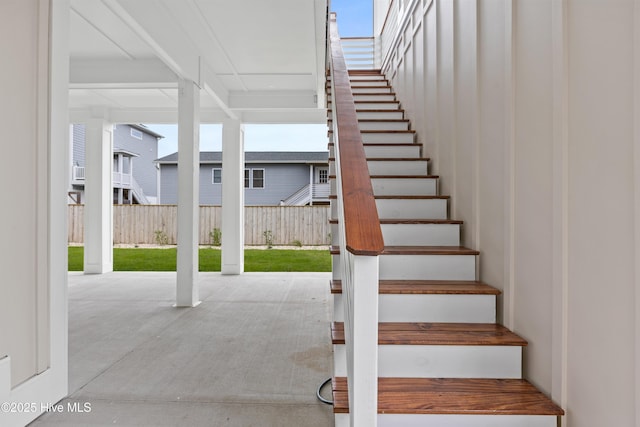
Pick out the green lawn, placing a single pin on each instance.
(254, 259)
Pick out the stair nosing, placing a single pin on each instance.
(489, 396)
(438, 333)
(419, 250)
(427, 287)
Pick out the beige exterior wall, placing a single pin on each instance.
(530, 110)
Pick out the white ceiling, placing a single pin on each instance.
(261, 61)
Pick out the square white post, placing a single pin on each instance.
(187, 294)
(98, 189)
(232, 197)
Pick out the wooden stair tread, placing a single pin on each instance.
(428, 250)
(427, 287)
(419, 250)
(473, 396)
(388, 144)
(387, 159)
(382, 131)
(458, 334)
(411, 221)
(405, 197)
(379, 110)
(398, 176)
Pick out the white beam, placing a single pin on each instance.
(98, 189)
(120, 74)
(187, 294)
(273, 99)
(232, 197)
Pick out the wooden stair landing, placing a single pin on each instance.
(477, 334)
(452, 396)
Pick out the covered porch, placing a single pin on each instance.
(252, 353)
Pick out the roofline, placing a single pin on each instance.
(146, 130)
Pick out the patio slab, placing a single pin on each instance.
(253, 353)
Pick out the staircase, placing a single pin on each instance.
(442, 359)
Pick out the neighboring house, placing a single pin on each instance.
(135, 149)
(271, 178)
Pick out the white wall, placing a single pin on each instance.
(530, 112)
(33, 119)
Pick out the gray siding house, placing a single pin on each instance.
(135, 176)
(271, 178)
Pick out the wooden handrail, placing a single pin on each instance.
(362, 225)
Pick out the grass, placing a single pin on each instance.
(254, 259)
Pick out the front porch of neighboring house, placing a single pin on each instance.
(126, 189)
(317, 192)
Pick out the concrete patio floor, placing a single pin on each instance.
(252, 354)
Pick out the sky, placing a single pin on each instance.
(355, 18)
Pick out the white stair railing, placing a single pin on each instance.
(138, 192)
(360, 241)
(299, 198)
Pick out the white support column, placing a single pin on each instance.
(120, 171)
(98, 189)
(232, 197)
(188, 193)
(311, 182)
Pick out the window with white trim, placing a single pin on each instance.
(136, 134)
(257, 178)
(323, 176)
(216, 176)
(254, 178)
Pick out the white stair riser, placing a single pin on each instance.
(357, 77)
(358, 97)
(385, 151)
(374, 105)
(406, 208)
(400, 186)
(383, 138)
(419, 420)
(388, 138)
(405, 186)
(392, 167)
(380, 115)
(369, 89)
(383, 125)
(398, 167)
(363, 83)
(335, 268)
(447, 308)
(427, 267)
(441, 361)
(411, 208)
(414, 234)
(421, 234)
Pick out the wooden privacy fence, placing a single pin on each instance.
(146, 224)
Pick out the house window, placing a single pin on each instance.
(136, 133)
(323, 176)
(216, 175)
(257, 180)
(254, 178)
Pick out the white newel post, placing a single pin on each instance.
(98, 188)
(187, 294)
(361, 337)
(232, 197)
